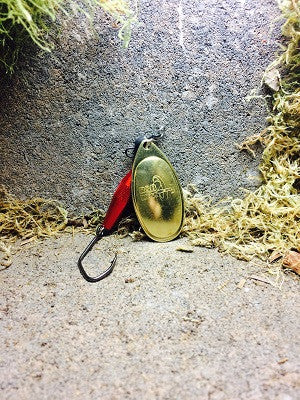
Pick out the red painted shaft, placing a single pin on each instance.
(118, 202)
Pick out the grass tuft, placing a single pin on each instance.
(22, 21)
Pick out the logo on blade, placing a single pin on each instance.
(156, 189)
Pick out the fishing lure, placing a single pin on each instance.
(157, 198)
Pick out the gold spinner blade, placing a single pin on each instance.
(156, 193)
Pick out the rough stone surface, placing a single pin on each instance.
(67, 117)
(164, 325)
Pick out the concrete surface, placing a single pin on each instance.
(67, 117)
(164, 325)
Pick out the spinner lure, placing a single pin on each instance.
(156, 194)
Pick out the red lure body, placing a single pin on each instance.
(118, 203)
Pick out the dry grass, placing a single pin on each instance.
(267, 220)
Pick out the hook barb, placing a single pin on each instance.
(99, 234)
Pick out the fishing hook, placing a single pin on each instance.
(117, 205)
(101, 231)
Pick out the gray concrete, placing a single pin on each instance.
(164, 325)
(67, 117)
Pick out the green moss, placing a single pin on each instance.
(30, 20)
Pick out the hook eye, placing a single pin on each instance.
(129, 152)
(156, 136)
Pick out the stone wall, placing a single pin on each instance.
(67, 117)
